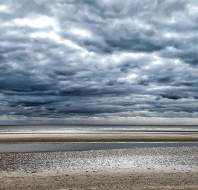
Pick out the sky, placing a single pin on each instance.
(99, 58)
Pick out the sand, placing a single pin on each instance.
(99, 136)
(130, 181)
(136, 168)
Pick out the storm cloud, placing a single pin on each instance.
(61, 58)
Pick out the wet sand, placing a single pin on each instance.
(135, 168)
(84, 146)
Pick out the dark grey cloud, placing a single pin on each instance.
(99, 58)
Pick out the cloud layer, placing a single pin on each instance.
(99, 58)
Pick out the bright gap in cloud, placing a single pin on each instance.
(4, 9)
(82, 33)
(37, 22)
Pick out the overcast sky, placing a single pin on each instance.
(126, 58)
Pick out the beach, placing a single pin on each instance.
(105, 157)
(171, 166)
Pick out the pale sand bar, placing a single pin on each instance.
(100, 136)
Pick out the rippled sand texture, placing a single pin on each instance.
(138, 168)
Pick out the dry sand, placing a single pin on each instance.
(116, 181)
(137, 168)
